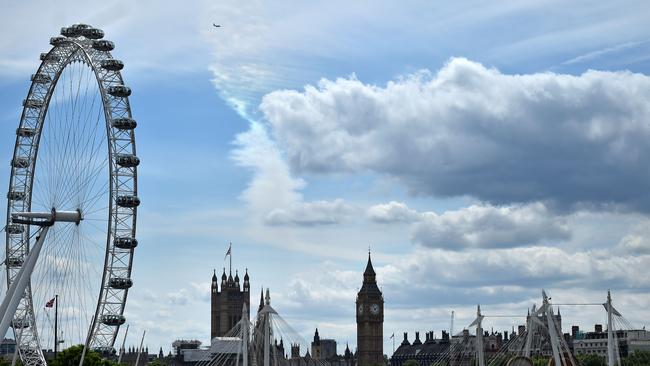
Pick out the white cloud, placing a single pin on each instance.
(392, 212)
(310, 213)
(637, 242)
(272, 185)
(602, 52)
(197, 292)
(273, 194)
(527, 267)
(149, 37)
(477, 226)
(470, 130)
(484, 226)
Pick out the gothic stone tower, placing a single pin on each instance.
(227, 303)
(370, 320)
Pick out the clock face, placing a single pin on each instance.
(361, 309)
(374, 308)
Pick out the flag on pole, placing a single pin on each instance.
(229, 252)
(50, 303)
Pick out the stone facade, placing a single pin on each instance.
(227, 302)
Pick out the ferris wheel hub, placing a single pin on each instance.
(46, 218)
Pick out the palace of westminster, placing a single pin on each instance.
(230, 294)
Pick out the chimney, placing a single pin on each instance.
(521, 330)
(445, 336)
(417, 339)
(405, 342)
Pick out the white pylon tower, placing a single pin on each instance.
(530, 322)
(612, 347)
(480, 350)
(267, 329)
(245, 338)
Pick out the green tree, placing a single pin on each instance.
(411, 363)
(156, 362)
(539, 361)
(590, 360)
(72, 355)
(638, 358)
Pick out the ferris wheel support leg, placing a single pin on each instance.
(18, 286)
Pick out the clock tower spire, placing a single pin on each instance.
(370, 320)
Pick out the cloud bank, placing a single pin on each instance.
(468, 130)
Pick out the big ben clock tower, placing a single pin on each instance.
(370, 320)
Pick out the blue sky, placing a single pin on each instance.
(468, 143)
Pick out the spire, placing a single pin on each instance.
(268, 297)
(369, 279)
(214, 276)
(261, 300)
(246, 278)
(236, 276)
(369, 273)
(223, 276)
(369, 270)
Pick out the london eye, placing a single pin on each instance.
(72, 198)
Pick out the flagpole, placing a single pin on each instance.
(230, 251)
(56, 325)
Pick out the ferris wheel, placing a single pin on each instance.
(72, 200)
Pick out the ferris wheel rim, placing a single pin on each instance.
(121, 214)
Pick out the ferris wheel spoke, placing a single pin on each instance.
(87, 145)
(88, 173)
(89, 204)
(82, 140)
(88, 187)
(92, 168)
(91, 196)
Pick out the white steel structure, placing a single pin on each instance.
(74, 176)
